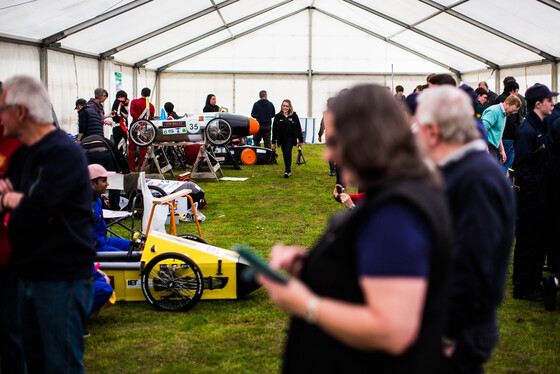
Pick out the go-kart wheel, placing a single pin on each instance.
(172, 282)
(194, 238)
(142, 132)
(248, 156)
(218, 131)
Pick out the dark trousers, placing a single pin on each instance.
(53, 316)
(263, 133)
(11, 348)
(106, 160)
(531, 244)
(287, 154)
(474, 347)
(118, 135)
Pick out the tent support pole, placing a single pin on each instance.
(44, 66)
(158, 90)
(101, 72)
(134, 83)
(497, 80)
(310, 68)
(554, 80)
(234, 93)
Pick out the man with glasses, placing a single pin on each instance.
(47, 195)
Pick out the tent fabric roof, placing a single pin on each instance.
(285, 35)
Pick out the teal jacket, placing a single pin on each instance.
(494, 120)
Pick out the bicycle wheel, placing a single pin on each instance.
(193, 237)
(218, 131)
(172, 282)
(142, 132)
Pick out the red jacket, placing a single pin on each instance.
(7, 147)
(137, 106)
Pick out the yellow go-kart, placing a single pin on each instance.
(174, 272)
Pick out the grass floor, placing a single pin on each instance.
(246, 336)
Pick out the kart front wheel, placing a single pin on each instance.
(172, 282)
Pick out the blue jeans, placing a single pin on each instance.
(11, 348)
(54, 314)
(510, 154)
(287, 154)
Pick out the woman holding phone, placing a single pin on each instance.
(369, 297)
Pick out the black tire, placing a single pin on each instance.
(172, 282)
(193, 237)
(218, 131)
(142, 132)
(157, 192)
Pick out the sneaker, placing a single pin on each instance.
(86, 333)
(550, 289)
(534, 295)
(286, 175)
(332, 174)
(289, 175)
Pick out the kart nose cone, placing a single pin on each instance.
(253, 126)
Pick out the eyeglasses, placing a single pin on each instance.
(7, 106)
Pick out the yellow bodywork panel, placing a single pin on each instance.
(218, 267)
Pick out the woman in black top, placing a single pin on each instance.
(286, 131)
(120, 119)
(211, 104)
(370, 296)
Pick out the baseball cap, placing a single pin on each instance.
(81, 102)
(98, 171)
(539, 91)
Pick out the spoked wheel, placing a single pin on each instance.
(218, 131)
(172, 282)
(142, 132)
(193, 237)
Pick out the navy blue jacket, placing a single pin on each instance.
(263, 111)
(482, 210)
(89, 122)
(51, 229)
(530, 157)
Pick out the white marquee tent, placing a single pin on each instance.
(303, 50)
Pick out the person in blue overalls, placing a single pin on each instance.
(98, 177)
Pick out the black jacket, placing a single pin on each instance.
(286, 129)
(530, 157)
(263, 111)
(89, 122)
(51, 229)
(331, 270)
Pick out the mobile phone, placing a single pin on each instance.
(259, 265)
(339, 189)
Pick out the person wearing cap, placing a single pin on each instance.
(89, 122)
(98, 176)
(530, 166)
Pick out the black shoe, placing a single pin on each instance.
(533, 295)
(286, 175)
(86, 333)
(332, 174)
(550, 289)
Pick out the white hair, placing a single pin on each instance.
(452, 110)
(32, 94)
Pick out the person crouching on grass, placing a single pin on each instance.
(98, 177)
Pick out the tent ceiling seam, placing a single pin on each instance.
(230, 39)
(92, 22)
(410, 50)
(424, 34)
(164, 29)
(491, 30)
(209, 33)
(221, 17)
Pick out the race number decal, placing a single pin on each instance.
(133, 283)
(193, 127)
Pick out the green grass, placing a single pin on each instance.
(246, 336)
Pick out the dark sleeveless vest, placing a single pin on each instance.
(331, 270)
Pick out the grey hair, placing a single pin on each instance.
(31, 93)
(451, 109)
(99, 92)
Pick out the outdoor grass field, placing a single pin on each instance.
(246, 336)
